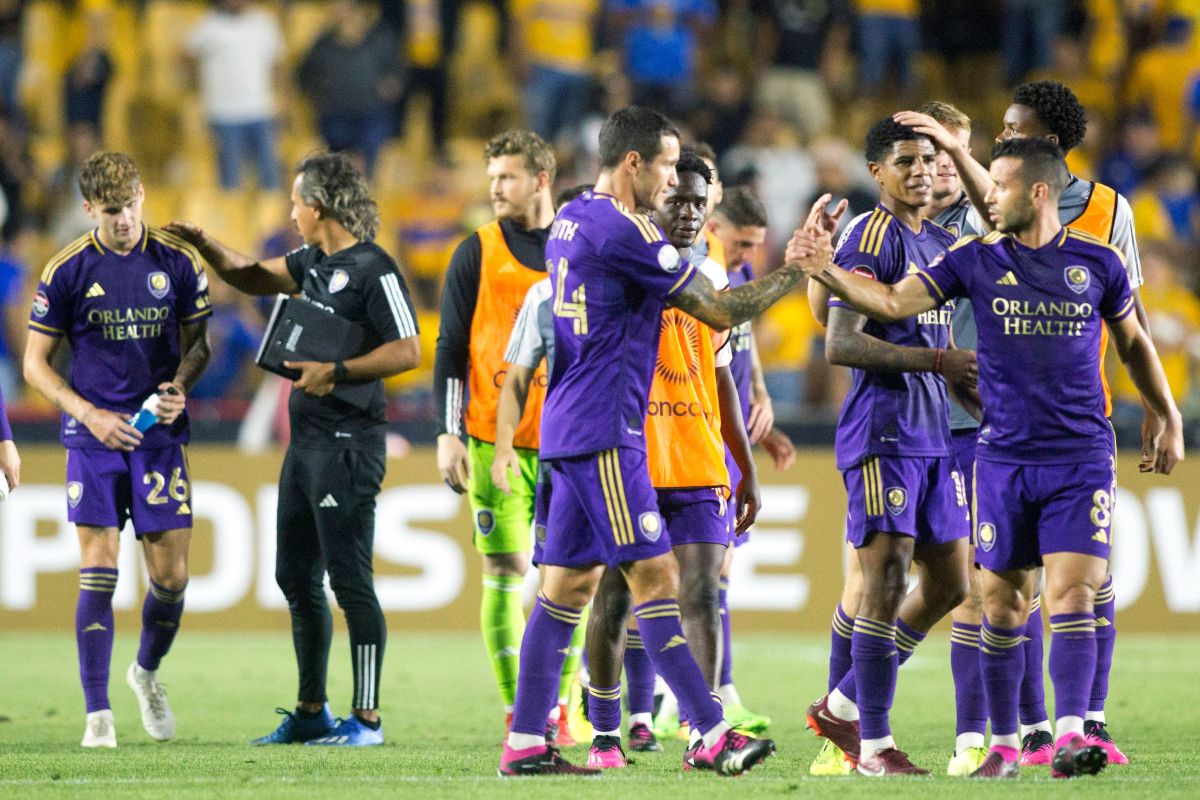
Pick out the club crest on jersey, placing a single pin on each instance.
(651, 525)
(41, 304)
(485, 520)
(668, 258)
(864, 270)
(1078, 279)
(896, 499)
(540, 532)
(987, 536)
(159, 284)
(338, 281)
(74, 493)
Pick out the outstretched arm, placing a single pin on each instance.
(240, 271)
(725, 309)
(847, 345)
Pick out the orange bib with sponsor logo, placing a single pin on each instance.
(1098, 219)
(503, 283)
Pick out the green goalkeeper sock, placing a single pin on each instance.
(574, 655)
(502, 620)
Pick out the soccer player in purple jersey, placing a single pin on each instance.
(1049, 110)
(613, 273)
(907, 502)
(1045, 455)
(335, 462)
(133, 303)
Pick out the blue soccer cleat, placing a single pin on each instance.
(295, 728)
(350, 732)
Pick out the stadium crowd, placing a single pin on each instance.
(217, 100)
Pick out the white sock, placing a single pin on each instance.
(966, 740)
(524, 741)
(643, 717)
(1095, 716)
(1044, 725)
(508, 709)
(143, 674)
(870, 747)
(614, 734)
(1006, 740)
(842, 707)
(693, 737)
(1067, 725)
(553, 714)
(714, 735)
(729, 695)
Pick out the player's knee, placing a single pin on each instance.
(173, 580)
(699, 598)
(510, 565)
(1075, 598)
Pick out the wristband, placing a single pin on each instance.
(339, 371)
(937, 361)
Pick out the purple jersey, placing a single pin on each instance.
(612, 272)
(122, 316)
(1039, 314)
(894, 413)
(739, 343)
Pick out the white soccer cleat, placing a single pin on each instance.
(157, 718)
(100, 730)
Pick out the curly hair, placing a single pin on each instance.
(690, 161)
(538, 155)
(885, 133)
(331, 184)
(1057, 108)
(109, 179)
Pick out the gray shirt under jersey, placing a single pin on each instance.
(532, 337)
(962, 219)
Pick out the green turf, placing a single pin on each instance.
(444, 727)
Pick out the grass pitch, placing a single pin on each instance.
(443, 726)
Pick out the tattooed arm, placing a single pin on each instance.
(723, 310)
(193, 341)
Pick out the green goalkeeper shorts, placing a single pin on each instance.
(503, 522)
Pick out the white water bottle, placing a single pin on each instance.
(147, 415)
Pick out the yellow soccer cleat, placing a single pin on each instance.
(830, 762)
(966, 762)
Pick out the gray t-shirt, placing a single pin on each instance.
(962, 219)
(532, 337)
(1074, 200)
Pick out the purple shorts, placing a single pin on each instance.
(920, 497)
(962, 443)
(1023, 512)
(695, 516)
(541, 511)
(603, 510)
(105, 488)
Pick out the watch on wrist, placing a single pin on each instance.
(339, 371)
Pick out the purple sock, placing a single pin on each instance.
(94, 633)
(907, 640)
(970, 705)
(662, 636)
(1001, 662)
(160, 622)
(1072, 662)
(1033, 691)
(543, 650)
(840, 661)
(726, 633)
(604, 707)
(639, 674)
(1106, 639)
(848, 685)
(873, 647)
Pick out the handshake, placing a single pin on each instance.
(810, 250)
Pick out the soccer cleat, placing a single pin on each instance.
(295, 728)
(1001, 762)
(100, 730)
(1076, 756)
(350, 732)
(684, 733)
(830, 762)
(741, 717)
(666, 726)
(967, 762)
(1097, 733)
(642, 740)
(733, 754)
(606, 753)
(157, 718)
(842, 732)
(577, 721)
(541, 760)
(888, 762)
(1037, 749)
(563, 737)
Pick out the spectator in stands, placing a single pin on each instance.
(838, 174)
(1028, 37)
(1171, 191)
(67, 219)
(10, 55)
(724, 109)
(1159, 79)
(790, 43)
(552, 53)
(428, 222)
(86, 81)
(783, 170)
(659, 43)
(16, 170)
(234, 332)
(889, 35)
(238, 53)
(352, 75)
(12, 302)
(1124, 169)
(429, 27)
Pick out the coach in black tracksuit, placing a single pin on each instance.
(335, 463)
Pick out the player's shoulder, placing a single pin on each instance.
(867, 232)
(622, 224)
(1077, 241)
(941, 233)
(174, 249)
(70, 256)
(972, 241)
(372, 260)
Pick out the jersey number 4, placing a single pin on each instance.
(574, 309)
